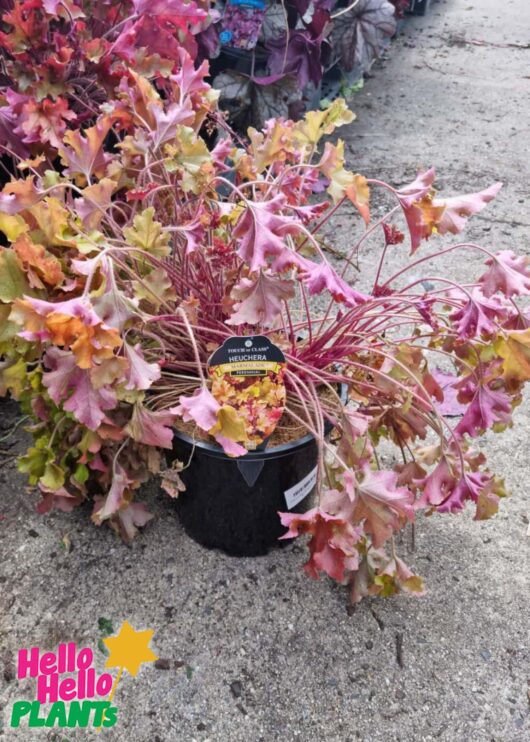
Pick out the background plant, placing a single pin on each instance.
(299, 42)
(61, 59)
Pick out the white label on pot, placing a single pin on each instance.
(296, 494)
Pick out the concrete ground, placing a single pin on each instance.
(256, 651)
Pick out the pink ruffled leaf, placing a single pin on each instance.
(140, 374)
(478, 316)
(508, 273)
(416, 190)
(106, 507)
(319, 277)
(382, 505)
(201, 408)
(260, 231)
(468, 488)
(449, 406)
(230, 447)
(333, 542)
(88, 405)
(168, 119)
(437, 486)
(488, 408)
(322, 276)
(58, 380)
(458, 209)
(151, 428)
(260, 299)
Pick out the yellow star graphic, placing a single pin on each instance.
(129, 649)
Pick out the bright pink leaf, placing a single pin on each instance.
(201, 407)
(333, 542)
(467, 488)
(170, 8)
(478, 316)
(87, 404)
(416, 190)
(115, 498)
(164, 35)
(508, 273)
(320, 276)
(151, 428)
(230, 447)
(141, 374)
(190, 79)
(260, 231)
(382, 505)
(488, 408)
(437, 485)
(458, 209)
(450, 406)
(260, 299)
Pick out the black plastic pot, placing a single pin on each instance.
(232, 504)
(420, 7)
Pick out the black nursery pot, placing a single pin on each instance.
(232, 504)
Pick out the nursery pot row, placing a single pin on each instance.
(232, 504)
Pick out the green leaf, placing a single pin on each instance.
(147, 234)
(34, 462)
(8, 330)
(12, 226)
(413, 584)
(13, 378)
(13, 282)
(53, 477)
(81, 473)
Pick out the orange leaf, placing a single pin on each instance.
(19, 195)
(37, 263)
(87, 342)
(359, 195)
(515, 350)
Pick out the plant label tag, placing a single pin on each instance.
(247, 376)
(298, 492)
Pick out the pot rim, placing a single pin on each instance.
(213, 449)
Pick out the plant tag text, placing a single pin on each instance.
(297, 492)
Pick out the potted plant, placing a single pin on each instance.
(125, 270)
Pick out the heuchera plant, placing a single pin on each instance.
(299, 41)
(61, 59)
(125, 268)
